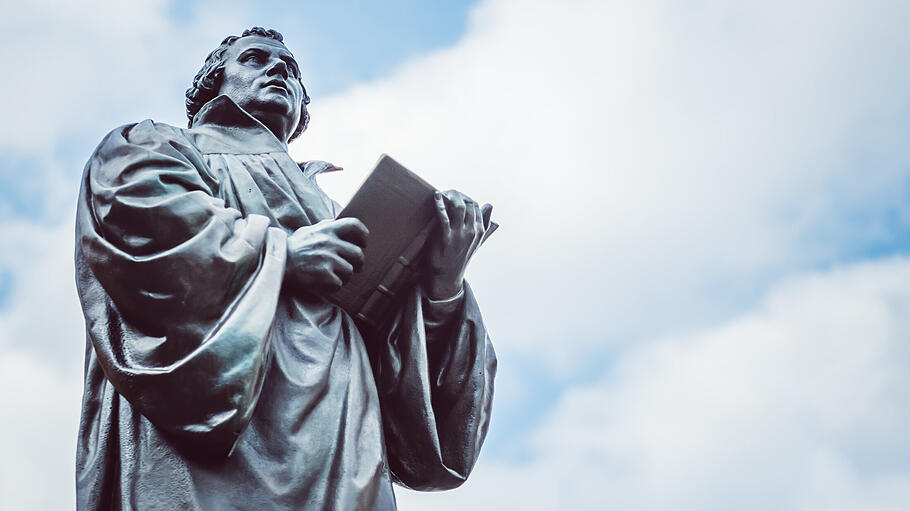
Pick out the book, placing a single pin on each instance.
(398, 207)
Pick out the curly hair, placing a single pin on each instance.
(208, 80)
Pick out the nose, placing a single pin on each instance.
(278, 67)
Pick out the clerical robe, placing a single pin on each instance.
(210, 385)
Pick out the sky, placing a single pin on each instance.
(700, 291)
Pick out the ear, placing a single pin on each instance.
(302, 124)
(305, 121)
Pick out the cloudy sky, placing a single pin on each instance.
(700, 294)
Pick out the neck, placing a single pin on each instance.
(277, 124)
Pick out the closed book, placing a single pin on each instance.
(398, 208)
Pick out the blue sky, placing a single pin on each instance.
(700, 291)
(349, 42)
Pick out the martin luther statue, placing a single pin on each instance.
(217, 374)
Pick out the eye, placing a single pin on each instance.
(254, 58)
(292, 67)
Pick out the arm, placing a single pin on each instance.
(178, 291)
(435, 365)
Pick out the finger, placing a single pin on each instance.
(329, 283)
(487, 210)
(351, 253)
(442, 214)
(464, 197)
(351, 229)
(342, 268)
(476, 228)
(471, 213)
(456, 208)
(478, 222)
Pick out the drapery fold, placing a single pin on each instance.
(184, 291)
(434, 367)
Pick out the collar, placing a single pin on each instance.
(221, 126)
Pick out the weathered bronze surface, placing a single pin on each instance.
(217, 375)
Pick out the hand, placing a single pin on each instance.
(322, 257)
(461, 227)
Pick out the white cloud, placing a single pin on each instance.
(800, 404)
(93, 65)
(41, 349)
(38, 436)
(42, 317)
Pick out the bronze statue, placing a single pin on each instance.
(217, 375)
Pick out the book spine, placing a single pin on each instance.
(401, 275)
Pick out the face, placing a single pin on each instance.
(262, 77)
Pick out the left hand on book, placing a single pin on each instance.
(461, 228)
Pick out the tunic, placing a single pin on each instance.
(211, 386)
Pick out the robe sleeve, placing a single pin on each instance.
(178, 291)
(434, 367)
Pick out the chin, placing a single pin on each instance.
(274, 104)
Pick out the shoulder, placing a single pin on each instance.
(130, 147)
(144, 133)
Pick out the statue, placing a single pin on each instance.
(217, 375)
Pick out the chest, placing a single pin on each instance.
(272, 185)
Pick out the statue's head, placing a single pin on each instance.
(258, 72)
